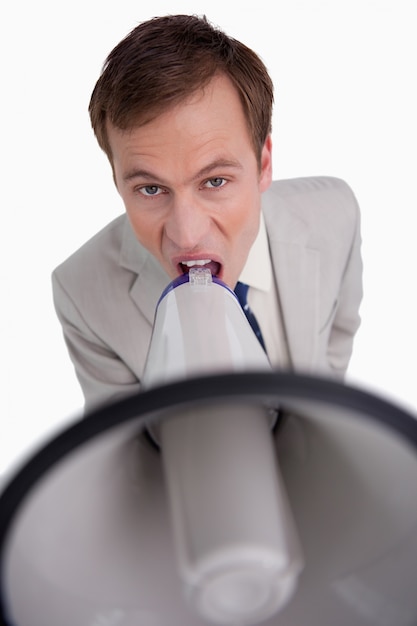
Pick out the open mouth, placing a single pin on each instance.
(213, 266)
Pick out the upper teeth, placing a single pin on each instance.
(197, 262)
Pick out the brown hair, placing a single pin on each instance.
(163, 61)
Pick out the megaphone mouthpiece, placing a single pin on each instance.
(200, 276)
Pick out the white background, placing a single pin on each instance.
(345, 78)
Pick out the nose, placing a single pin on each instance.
(187, 223)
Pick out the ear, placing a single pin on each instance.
(265, 177)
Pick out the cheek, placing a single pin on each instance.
(145, 228)
(245, 224)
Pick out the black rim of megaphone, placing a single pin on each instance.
(146, 406)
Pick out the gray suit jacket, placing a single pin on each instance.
(106, 293)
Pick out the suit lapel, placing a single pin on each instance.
(296, 272)
(151, 279)
(296, 268)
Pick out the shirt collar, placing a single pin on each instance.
(257, 271)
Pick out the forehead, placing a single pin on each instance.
(210, 119)
(218, 95)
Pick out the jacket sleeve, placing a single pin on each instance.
(347, 318)
(103, 376)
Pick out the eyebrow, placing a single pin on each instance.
(205, 171)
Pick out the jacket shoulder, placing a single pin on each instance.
(103, 245)
(94, 273)
(320, 204)
(309, 194)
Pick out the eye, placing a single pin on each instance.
(215, 183)
(150, 190)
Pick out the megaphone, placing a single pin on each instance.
(191, 503)
(237, 548)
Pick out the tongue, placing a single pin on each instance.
(213, 267)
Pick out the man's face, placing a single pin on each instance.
(191, 184)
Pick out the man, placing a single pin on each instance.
(183, 113)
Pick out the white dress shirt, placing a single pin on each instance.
(263, 299)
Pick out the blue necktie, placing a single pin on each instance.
(241, 291)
